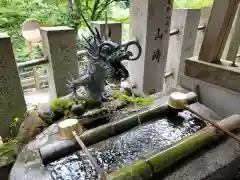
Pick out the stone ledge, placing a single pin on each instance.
(220, 161)
(222, 75)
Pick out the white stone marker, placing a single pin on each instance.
(150, 22)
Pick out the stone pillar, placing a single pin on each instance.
(12, 102)
(149, 23)
(59, 45)
(115, 27)
(182, 45)
(205, 13)
(234, 39)
(219, 25)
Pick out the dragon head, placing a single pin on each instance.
(110, 54)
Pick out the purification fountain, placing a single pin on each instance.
(132, 142)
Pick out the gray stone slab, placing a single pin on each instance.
(115, 28)
(211, 163)
(182, 44)
(12, 102)
(222, 101)
(59, 45)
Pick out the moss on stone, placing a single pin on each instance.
(131, 100)
(7, 152)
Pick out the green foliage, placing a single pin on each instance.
(132, 100)
(7, 152)
(192, 3)
(62, 105)
(49, 13)
(65, 12)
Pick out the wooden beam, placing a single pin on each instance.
(221, 75)
(219, 26)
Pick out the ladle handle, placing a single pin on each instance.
(214, 124)
(103, 174)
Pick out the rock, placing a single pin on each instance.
(45, 113)
(138, 93)
(126, 91)
(31, 126)
(115, 105)
(77, 110)
(98, 112)
(120, 104)
(92, 104)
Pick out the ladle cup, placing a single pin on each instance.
(178, 101)
(71, 128)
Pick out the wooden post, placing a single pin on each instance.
(182, 45)
(59, 45)
(36, 78)
(12, 102)
(235, 39)
(150, 24)
(219, 26)
(205, 14)
(115, 27)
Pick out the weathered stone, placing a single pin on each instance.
(31, 126)
(182, 44)
(78, 109)
(115, 28)
(12, 102)
(45, 113)
(59, 45)
(150, 25)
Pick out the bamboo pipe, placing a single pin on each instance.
(144, 169)
(178, 101)
(71, 128)
(103, 174)
(60, 148)
(214, 124)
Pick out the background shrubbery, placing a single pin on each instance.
(65, 12)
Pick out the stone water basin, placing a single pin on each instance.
(112, 153)
(136, 143)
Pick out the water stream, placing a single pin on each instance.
(125, 148)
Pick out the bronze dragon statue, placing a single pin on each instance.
(105, 63)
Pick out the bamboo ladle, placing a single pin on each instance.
(71, 128)
(177, 100)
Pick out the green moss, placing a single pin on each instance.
(131, 100)
(63, 105)
(60, 104)
(7, 152)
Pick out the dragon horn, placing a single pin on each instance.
(106, 26)
(87, 41)
(89, 27)
(98, 35)
(109, 33)
(86, 48)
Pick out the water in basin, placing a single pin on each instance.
(125, 148)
